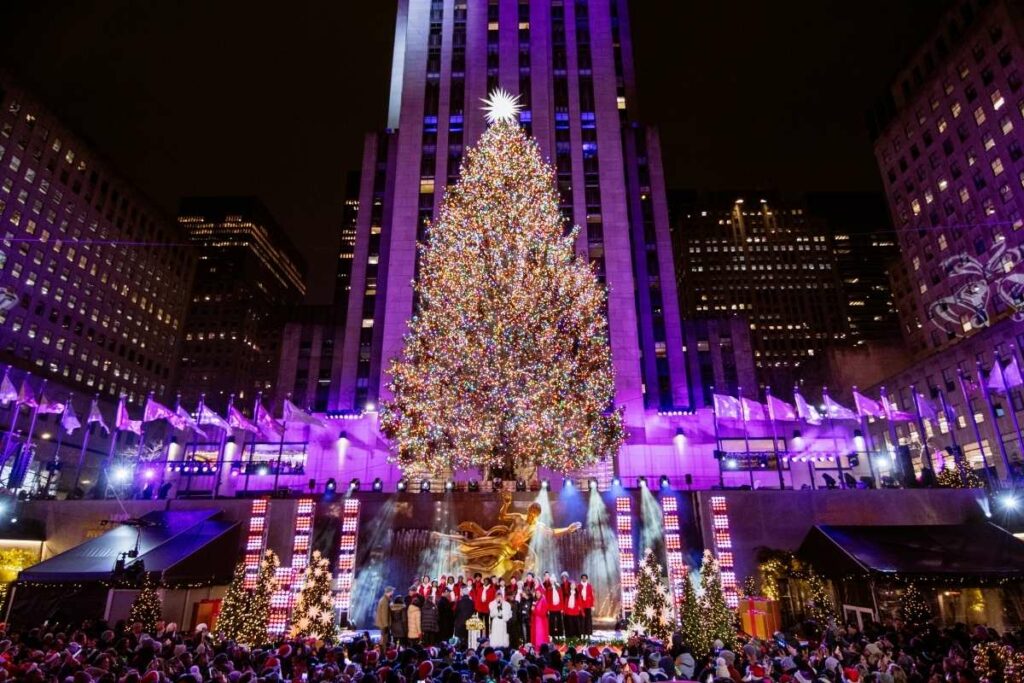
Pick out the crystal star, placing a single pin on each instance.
(501, 106)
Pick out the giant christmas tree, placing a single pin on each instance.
(506, 364)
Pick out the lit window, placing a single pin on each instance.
(916, 207)
(965, 195)
(942, 125)
(1006, 124)
(979, 116)
(997, 166)
(955, 109)
(943, 244)
(943, 184)
(997, 100)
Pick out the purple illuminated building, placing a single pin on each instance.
(948, 142)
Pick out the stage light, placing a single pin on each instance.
(520, 484)
(341, 446)
(149, 474)
(497, 484)
(731, 464)
(1009, 501)
(798, 440)
(263, 471)
(680, 438)
(370, 407)
(642, 482)
(616, 482)
(858, 441)
(449, 485)
(121, 474)
(378, 485)
(566, 483)
(474, 485)
(353, 484)
(593, 484)
(401, 485)
(545, 484)
(425, 486)
(663, 482)
(46, 436)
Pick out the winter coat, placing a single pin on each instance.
(429, 618)
(383, 617)
(415, 629)
(398, 620)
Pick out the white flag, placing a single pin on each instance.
(293, 413)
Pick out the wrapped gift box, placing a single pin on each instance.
(760, 617)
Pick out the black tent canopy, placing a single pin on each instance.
(981, 552)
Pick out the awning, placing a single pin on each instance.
(190, 546)
(983, 552)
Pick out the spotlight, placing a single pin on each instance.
(474, 485)
(731, 464)
(680, 438)
(663, 482)
(642, 482)
(545, 484)
(616, 482)
(149, 474)
(370, 407)
(497, 484)
(798, 440)
(449, 485)
(425, 486)
(566, 483)
(121, 474)
(520, 484)
(401, 485)
(593, 484)
(263, 471)
(1009, 501)
(353, 484)
(378, 485)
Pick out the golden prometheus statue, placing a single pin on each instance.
(505, 549)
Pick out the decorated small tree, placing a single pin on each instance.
(718, 621)
(234, 607)
(652, 607)
(314, 614)
(147, 608)
(692, 627)
(957, 476)
(913, 609)
(820, 605)
(254, 631)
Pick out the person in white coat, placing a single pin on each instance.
(501, 614)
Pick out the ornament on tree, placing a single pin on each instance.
(315, 621)
(506, 364)
(652, 610)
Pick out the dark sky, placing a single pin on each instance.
(273, 99)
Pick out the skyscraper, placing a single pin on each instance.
(948, 145)
(571, 64)
(772, 263)
(97, 278)
(248, 273)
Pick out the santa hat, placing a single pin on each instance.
(550, 674)
(371, 657)
(391, 654)
(285, 651)
(383, 673)
(851, 674)
(151, 677)
(425, 670)
(757, 671)
(271, 663)
(594, 652)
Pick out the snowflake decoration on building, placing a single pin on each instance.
(501, 105)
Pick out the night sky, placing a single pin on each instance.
(221, 97)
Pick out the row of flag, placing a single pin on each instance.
(179, 418)
(1000, 379)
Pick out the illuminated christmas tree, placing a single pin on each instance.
(506, 364)
(692, 627)
(914, 610)
(652, 606)
(820, 606)
(146, 609)
(313, 615)
(717, 620)
(245, 614)
(955, 477)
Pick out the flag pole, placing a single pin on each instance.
(995, 421)
(60, 441)
(195, 443)
(718, 445)
(958, 455)
(746, 437)
(15, 412)
(220, 450)
(835, 439)
(869, 442)
(974, 425)
(85, 443)
(26, 447)
(893, 437)
(252, 446)
(775, 438)
(1010, 407)
(810, 461)
(280, 448)
(142, 436)
(926, 457)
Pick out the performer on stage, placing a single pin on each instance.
(572, 609)
(501, 614)
(587, 600)
(553, 597)
(464, 609)
(527, 599)
(539, 632)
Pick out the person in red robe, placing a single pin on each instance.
(587, 600)
(539, 631)
(572, 607)
(553, 595)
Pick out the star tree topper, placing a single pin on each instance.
(501, 106)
